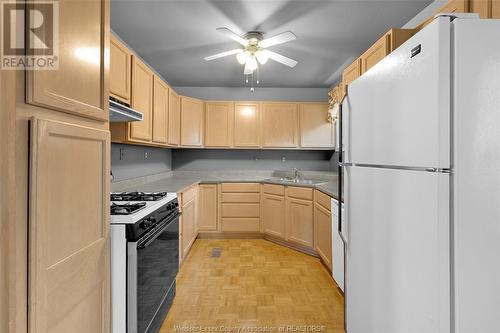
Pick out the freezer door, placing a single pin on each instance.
(399, 110)
(477, 175)
(397, 257)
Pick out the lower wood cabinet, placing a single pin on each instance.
(299, 216)
(69, 267)
(273, 215)
(188, 220)
(240, 207)
(208, 203)
(323, 228)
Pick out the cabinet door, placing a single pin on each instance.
(300, 222)
(351, 73)
(218, 124)
(160, 111)
(120, 70)
(208, 207)
(375, 53)
(142, 100)
(80, 84)
(191, 122)
(273, 215)
(279, 125)
(187, 226)
(495, 9)
(69, 283)
(323, 234)
(481, 7)
(246, 125)
(315, 129)
(174, 119)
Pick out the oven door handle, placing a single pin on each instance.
(147, 240)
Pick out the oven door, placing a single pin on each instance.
(153, 263)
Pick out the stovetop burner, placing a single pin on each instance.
(137, 196)
(126, 208)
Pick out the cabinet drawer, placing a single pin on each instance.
(188, 195)
(240, 224)
(241, 197)
(241, 187)
(300, 192)
(240, 210)
(273, 189)
(323, 199)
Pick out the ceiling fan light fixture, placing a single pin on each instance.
(252, 63)
(243, 57)
(262, 56)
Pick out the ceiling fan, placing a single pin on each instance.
(254, 49)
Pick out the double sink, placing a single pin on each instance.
(297, 181)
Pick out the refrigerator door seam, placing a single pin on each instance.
(397, 167)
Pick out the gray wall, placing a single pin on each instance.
(221, 159)
(260, 94)
(134, 164)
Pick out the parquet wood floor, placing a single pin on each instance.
(254, 285)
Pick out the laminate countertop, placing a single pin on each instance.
(178, 181)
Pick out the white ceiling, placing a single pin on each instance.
(174, 36)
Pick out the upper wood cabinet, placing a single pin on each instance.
(315, 129)
(218, 124)
(69, 267)
(80, 84)
(142, 100)
(160, 111)
(351, 73)
(120, 71)
(174, 118)
(191, 122)
(279, 125)
(208, 203)
(246, 125)
(385, 45)
(495, 9)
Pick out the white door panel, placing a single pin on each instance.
(397, 259)
(477, 176)
(399, 110)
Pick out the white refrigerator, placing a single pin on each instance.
(421, 169)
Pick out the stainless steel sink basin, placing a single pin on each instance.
(296, 181)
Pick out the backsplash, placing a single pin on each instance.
(250, 159)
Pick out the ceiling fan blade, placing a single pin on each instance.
(223, 54)
(281, 59)
(234, 36)
(278, 39)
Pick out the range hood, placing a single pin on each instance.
(121, 113)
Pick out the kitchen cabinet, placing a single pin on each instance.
(218, 124)
(279, 125)
(160, 111)
(142, 100)
(385, 45)
(77, 86)
(351, 73)
(246, 125)
(174, 118)
(120, 71)
(273, 211)
(191, 122)
(315, 129)
(482, 7)
(299, 216)
(495, 9)
(69, 268)
(188, 220)
(323, 228)
(208, 197)
(240, 207)
(452, 6)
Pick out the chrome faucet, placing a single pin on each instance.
(296, 174)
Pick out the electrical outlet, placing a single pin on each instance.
(145, 155)
(283, 159)
(122, 154)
